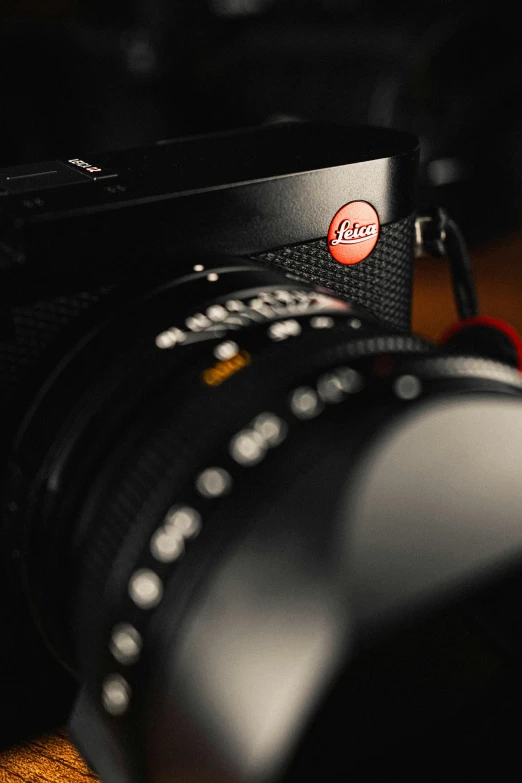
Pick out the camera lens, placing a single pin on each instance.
(177, 493)
(226, 401)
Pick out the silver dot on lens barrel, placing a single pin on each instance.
(330, 388)
(407, 387)
(235, 306)
(213, 482)
(145, 588)
(248, 447)
(126, 643)
(216, 313)
(198, 268)
(170, 338)
(281, 330)
(116, 694)
(226, 350)
(271, 428)
(305, 403)
(350, 380)
(212, 277)
(167, 545)
(322, 322)
(284, 296)
(184, 520)
(257, 304)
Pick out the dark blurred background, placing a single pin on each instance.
(79, 76)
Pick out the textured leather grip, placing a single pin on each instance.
(382, 282)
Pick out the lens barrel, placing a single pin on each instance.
(176, 489)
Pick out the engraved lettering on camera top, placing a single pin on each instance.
(82, 164)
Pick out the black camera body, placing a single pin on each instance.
(267, 193)
(204, 353)
(227, 467)
(73, 229)
(76, 232)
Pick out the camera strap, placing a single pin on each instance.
(437, 235)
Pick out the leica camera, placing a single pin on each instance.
(221, 445)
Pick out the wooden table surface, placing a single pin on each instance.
(498, 270)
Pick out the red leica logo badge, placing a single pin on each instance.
(353, 232)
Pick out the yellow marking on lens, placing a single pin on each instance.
(221, 371)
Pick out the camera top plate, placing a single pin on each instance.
(96, 219)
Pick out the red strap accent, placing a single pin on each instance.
(495, 323)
